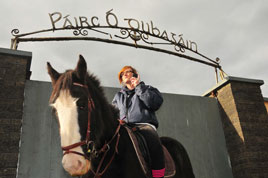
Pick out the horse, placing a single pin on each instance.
(93, 140)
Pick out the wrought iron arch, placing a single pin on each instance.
(138, 36)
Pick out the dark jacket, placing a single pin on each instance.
(138, 105)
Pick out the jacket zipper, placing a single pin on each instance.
(127, 108)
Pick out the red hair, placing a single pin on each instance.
(123, 70)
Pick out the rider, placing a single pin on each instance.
(137, 103)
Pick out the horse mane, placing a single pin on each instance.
(95, 86)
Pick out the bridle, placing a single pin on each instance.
(87, 141)
(105, 148)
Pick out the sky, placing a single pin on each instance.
(236, 31)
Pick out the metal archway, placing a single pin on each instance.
(135, 33)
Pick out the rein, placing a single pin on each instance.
(105, 149)
(87, 141)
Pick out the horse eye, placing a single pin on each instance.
(82, 108)
(82, 105)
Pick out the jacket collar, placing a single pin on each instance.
(126, 91)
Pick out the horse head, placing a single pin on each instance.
(73, 106)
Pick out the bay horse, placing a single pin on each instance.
(93, 141)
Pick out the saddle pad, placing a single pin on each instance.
(170, 168)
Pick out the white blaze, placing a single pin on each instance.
(68, 119)
(65, 105)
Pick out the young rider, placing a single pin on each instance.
(137, 103)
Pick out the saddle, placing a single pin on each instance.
(143, 155)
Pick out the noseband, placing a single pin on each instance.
(87, 141)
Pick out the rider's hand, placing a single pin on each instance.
(135, 81)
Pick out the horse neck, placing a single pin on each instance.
(105, 122)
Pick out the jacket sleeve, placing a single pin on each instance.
(150, 96)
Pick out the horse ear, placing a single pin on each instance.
(81, 68)
(54, 75)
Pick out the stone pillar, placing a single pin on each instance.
(245, 123)
(14, 70)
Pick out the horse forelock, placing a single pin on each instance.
(64, 82)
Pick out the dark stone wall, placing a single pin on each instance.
(245, 123)
(14, 69)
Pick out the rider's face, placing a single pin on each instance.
(126, 75)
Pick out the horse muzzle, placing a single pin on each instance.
(75, 165)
